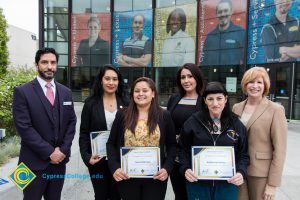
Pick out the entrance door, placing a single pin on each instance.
(281, 85)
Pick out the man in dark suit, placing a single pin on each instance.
(44, 116)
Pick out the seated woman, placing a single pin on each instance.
(215, 125)
(144, 123)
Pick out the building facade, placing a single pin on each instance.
(22, 51)
(155, 37)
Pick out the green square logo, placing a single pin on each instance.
(22, 176)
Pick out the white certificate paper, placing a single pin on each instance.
(213, 163)
(98, 142)
(140, 162)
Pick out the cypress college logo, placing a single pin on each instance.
(22, 176)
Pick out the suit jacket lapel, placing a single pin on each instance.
(37, 88)
(260, 109)
(176, 100)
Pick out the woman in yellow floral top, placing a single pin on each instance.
(143, 123)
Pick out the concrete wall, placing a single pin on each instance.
(22, 46)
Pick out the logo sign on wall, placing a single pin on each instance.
(222, 35)
(132, 38)
(271, 40)
(175, 35)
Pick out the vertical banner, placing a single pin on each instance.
(90, 39)
(222, 35)
(175, 35)
(274, 33)
(132, 38)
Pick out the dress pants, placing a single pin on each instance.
(104, 187)
(50, 189)
(178, 183)
(142, 189)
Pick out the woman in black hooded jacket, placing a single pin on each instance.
(215, 125)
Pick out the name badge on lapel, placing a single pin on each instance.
(67, 103)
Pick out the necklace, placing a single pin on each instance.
(216, 126)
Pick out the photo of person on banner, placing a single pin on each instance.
(225, 43)
(281, 35)
(93, 51)
(136, 50)
(179, 46)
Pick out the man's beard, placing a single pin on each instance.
(45, 76)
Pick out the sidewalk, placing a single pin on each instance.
(78, 189)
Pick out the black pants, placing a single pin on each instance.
(178, 183)
(44, 185)
(102, 180)
(142, 189)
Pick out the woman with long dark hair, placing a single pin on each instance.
(144, 123)
(190, 84)
(98, 114)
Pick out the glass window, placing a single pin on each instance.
(56, 6)
(123, 5)
(92, 6)
(178, 2)
(142, 5)
(63, 60)
(165, 79)
(61, 75)
(56, 35)
(165, 3)
(127, 5)
(60, 47)
(56, 21)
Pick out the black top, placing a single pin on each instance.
(180, 113)
(275, 34)
(167, 142)
(195, 132)
(224, 47)
(93, 119)
(95, 56)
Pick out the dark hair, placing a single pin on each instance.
(43, 51)
(97, 91)
(155, 111)
(224, 1)
(182, 16)
(197, 74)
(227, 115)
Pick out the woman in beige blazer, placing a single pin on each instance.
(267, 135)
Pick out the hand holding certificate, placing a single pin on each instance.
(213, 163)
(98, 142)
(140, 162)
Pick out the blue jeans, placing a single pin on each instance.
(200, 191)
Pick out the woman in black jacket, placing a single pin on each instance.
(98, 115)
(214, 125)
(144, 123)
(190, 84)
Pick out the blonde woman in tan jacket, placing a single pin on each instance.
(267, 135)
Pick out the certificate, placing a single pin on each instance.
(213, 163)
(98, 142)
(140, 162)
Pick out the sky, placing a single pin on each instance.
(22, 14)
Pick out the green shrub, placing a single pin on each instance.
(3, 45)
(10, 148)
(13, 78)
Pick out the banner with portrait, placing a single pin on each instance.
(175, 35)
(90, 39)
(222, 35)
(274, 32)
(132, 38)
